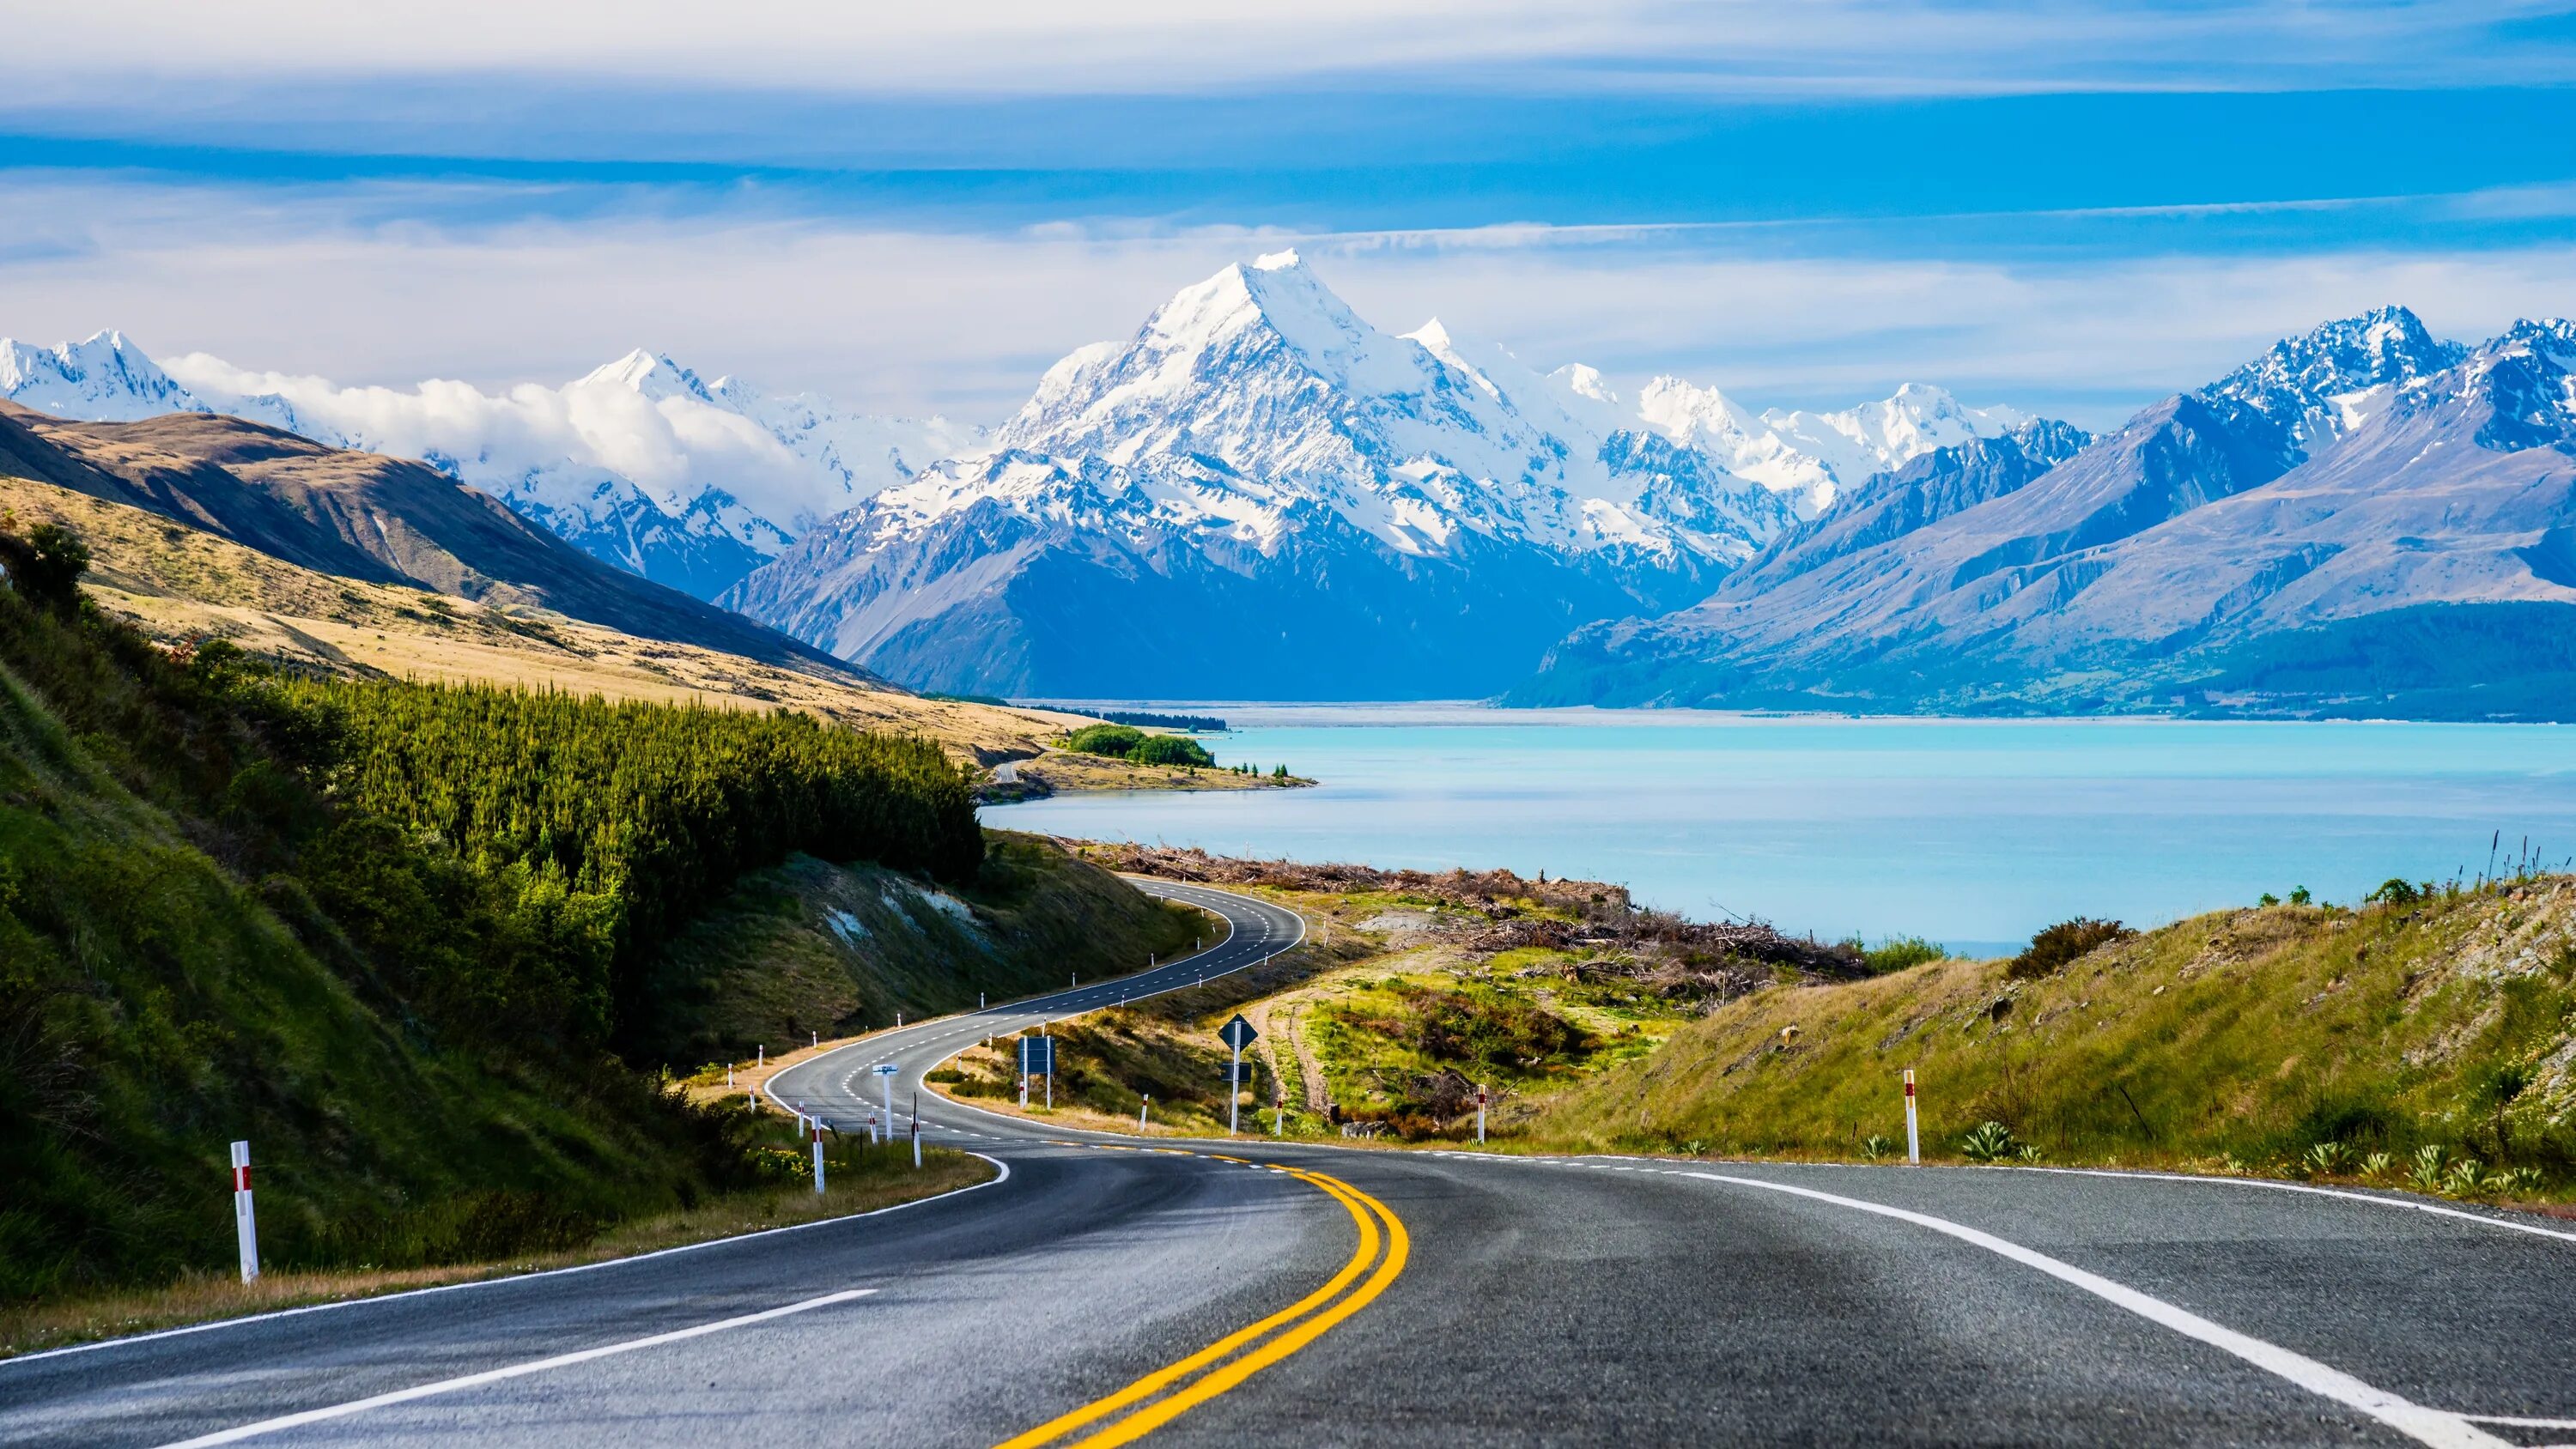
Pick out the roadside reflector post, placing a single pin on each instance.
(814, 1039)
(979, 1001)
(1279, 1114)
(916, 1129)
(898, 1021)
(1140, 1110)
(818, 1162)
(760, 1057)
(1480, 1114)
(245, 1226)
(1913, 1140)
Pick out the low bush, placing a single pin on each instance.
(2053, 948)
(1899, 953)
(1117, 741)
(1171, 750)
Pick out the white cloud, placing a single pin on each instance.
(1179, 45)
(908, 322)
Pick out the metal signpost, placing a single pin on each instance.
(1237, 1034)
(885, 1076)
(1037, 1058)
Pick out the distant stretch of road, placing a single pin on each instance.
(1225, 1293)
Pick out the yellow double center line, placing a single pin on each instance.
(1168, 1393)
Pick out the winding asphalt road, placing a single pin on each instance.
(1239, 1293)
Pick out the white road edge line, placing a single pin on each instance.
(2377, 1199)
(2415, 1421)
(1001, 1176)
(494, 1376)
(2510, 1421)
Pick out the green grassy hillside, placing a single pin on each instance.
(394, 936)
(2239, 1039)
(810, 947)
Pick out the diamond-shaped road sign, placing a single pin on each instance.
(1237, 1033)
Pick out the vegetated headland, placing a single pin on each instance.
(1112, 756)
(2425, 1038)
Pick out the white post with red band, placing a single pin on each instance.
(1480, 1114)
(1913, 1141)
(245, 1226)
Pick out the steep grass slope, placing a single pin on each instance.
(2250, 1035)
(810, 947)
(158, 1002)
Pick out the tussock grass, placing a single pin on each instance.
(2237, 1040)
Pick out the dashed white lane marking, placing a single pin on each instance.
(494, 1376)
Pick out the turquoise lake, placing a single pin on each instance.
(1974, 833)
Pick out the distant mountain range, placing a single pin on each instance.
(1260, 495)
(2365, 520)
(367, 517)
(687, 482)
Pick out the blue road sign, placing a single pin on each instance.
(1237, 1033)
(1037, 1056)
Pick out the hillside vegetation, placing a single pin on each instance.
(2243, 1039)
(814, 948)
(393, 935)
(180, 584)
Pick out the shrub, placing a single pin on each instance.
(1988, 1142)
(1171, 750)
(2052, 949)
(1117, 741)
(1901, 952)
(2396, 892)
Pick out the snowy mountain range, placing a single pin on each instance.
(641, 462)
(1260, 494)
(2363, 520)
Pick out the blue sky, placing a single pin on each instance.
(2072, 208)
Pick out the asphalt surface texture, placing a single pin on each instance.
(1105, 1290)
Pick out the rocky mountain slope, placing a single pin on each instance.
(1261, 494)
(2363, 520)
(366, 517)
(641, 462)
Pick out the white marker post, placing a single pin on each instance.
(245, 1226)
(1913, 1142)
(761, 1058)
(818, 1163)
(1480, 1114)
(1279, 1114)
(916, 1129)
(1140, 1110)
(814, 1038)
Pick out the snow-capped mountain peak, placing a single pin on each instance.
(2322, 383)
(103, 377)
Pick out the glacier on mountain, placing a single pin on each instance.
(1259, 491)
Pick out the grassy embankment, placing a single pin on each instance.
(391, 935)
(2282, 1039)
(809, 947)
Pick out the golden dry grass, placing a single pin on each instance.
(180, 584)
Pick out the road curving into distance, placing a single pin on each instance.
(1108, 1289)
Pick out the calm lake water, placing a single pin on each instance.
(1974, 833)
